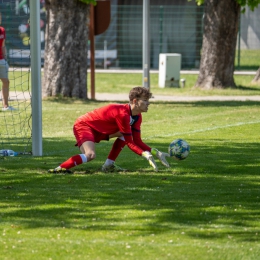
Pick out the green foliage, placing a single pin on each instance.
(94, 2)
(252, 4)
(199, 2)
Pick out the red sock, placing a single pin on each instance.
(117, 147)
(74, 161)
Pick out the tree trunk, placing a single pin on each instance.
(66, 48)
(257, 77)
(221, 22)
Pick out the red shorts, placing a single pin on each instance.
(84, 133)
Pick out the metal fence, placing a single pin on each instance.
(173, 29)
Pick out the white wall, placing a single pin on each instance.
(250, 29)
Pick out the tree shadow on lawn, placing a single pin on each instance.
(210, 103)
(71, 101)
(218, 192)
(144, 204)
(241, 87)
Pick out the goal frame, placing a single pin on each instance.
(36, 88)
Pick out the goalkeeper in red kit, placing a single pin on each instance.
(114, 120)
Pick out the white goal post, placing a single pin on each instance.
(36, 78)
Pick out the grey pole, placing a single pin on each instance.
(36, 77)
(146, 43)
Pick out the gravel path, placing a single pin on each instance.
(124, 96)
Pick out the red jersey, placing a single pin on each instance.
(116, 118)
(2, 38)
(136, 132)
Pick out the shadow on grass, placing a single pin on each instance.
(247, 88)
(245, 67)
(211, 103)
(209, 197)
(69, 101)
(145, 204)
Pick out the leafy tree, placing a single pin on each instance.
(252, 4)
(221, 21)
(66, 48)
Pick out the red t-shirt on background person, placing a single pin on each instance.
(2, 38)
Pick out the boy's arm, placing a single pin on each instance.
(146, 154)
(160, 155)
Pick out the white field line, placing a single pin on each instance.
(204, 129)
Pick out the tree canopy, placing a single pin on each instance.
(252, 4)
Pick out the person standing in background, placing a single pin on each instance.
(4, 70)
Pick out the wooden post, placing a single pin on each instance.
(92, 50)
(99, 22)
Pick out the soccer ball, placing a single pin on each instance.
(179, 149)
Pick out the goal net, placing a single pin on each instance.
(15, 126)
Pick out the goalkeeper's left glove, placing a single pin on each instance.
(161, 156)
(148, 156)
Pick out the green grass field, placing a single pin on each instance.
(204, 207)
(122, 83)
(247, 59)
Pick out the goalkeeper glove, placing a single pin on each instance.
(161, 156)
(148, 156)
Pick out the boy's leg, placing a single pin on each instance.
(87, 149)
(117, 147)
(87, 154)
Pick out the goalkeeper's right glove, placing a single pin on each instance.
(148, 156)
(161, 156)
